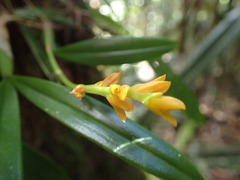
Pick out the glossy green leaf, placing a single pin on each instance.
(100, 124)
(180, 90)
(10, 143)
(214, 44)
(6, 64)
(115, 50)
(40, 167)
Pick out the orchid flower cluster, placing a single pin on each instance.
(119, 96)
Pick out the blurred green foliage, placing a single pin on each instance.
(59, 28)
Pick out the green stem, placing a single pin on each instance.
(141, 97)
(95, 89)
(48, 42)
(185, 134)
(136, 95)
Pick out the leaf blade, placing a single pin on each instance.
(127, 141)
(40, 56)
(10, 142)
(115, 50)
(6, 64)
(107, 23)
(36, 13)
(215, 43)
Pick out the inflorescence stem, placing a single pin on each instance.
(48, 42)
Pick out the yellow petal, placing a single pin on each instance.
(154, 86)
(111, 79)
(165, 103)
(121, 113)
(167, 116)
(126, 105)
(120, 106)
(160, 78)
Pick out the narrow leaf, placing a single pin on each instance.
(32, 41)
(115, 50)
(100, 124)
(10, 143)
(35, 13)
(223, 35)
(106, 23)
(6, 64)
(40, 167)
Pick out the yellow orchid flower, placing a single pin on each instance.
(119, 96)
(115, 94)
(151, 95)
(160, 105)
(119, 100)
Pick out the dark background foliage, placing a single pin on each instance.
(214, 146)
(82, 159)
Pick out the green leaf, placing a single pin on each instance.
(32, 40)
(221, 37)
(106, 23)
(6, 64)
(180, 90)
(100, 124)
(10, 143)
(40, 167)
(34, 13)
(115, 50)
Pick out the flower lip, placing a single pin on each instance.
(162, 105)
(166, 103)
(120, 106)
(167, 116)
(121, 113)
(120, 91)
(126, 105)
